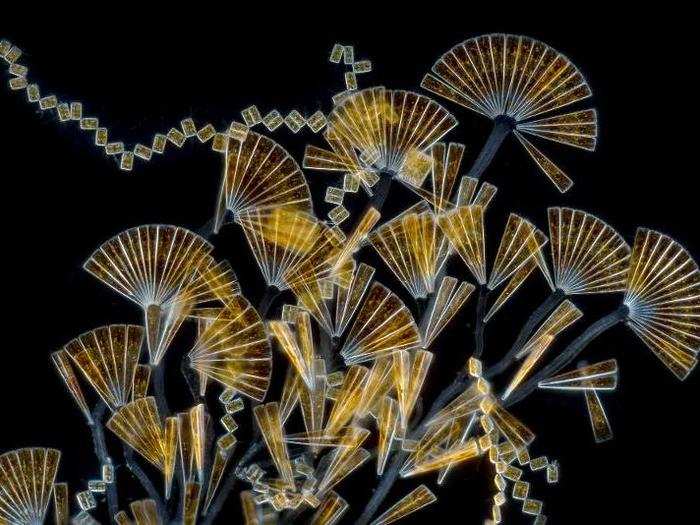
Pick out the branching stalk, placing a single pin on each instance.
(100, 444)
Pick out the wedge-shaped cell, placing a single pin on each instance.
(290, 246)
(343, 264)
(410, 503)
(267, 417)
(348, 399)
(384, 131)
(377, 384)
(145, 512)
(199, 423)
(514, 81)
(218, 468)
(249, 508)
(170, 450)
(514, 282)
(26, 483)
(446, 160)
(414, 248)
(108, 357)
(61, 505)
(190, 506)
(465, 404)
(521, 242)
(330, 510)
(454, 440)
(388, 425)
(62, 362)
(598, 376)
(599, 419)
(434, 442)
(464, 227)
(553, 172)
(215, 281)
(348, 299)
(458, 453)
(383, 325)
(409, 373)
(345, 460)
(297, 346)
(663, 297)
(138, 425)
(289, 398)
(320, 438)
(142, 379)
(260, 174)
(470, 193)
(313, 400)
(234, 350)
(514, 430)
(443, 306)
(559, 320)
(154, 266)
(536, 351)
(588, 256)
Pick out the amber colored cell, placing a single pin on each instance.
(297, 346)
(388, 424)
(409, 373)
(451, 295)
(588, 256)
(446, 160)
(383, 325)
(108, 358)
(62, 362)
(663, 297)
(415, 500)
(26, 479)
(191, 502)
(598, 418)
(464, 227)
(348, 399)
(267, 417)
(598, 376)
(260, 174)
(154, 266)
(330, 511)
(348, 299)
(145, 512)
(414, 248)
(138, 425)
(61, 505)
(234, 351)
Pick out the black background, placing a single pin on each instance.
(63, 197)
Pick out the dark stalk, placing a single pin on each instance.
(159, 389)
(528, 328)
(380, 191)
(570, 352)
(145, 482)
(480, 325)
(267, 300)
(502, 126)
(100, 444)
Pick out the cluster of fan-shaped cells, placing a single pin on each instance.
(259, 175)
(379, 130)
(663, 297)
(588, 256)
(516, 256)
(26, 482)
(291, 247)
(383, 325)
(108, 358)
(155, 266)
(415, 248)
(518, 78)
(234, 350)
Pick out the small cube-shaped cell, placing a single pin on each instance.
(97, 485)
(294, 121)
(538, 463)
(362, 66)
(553, 472)
(499, 498)
(273, 120)
(188, 127)
(108, 473)
(227, 395)
(159, 142)
(336, 54)
(334, 195)
(76, 110)
(176, 137)
(338, 214)
(317, 121)
(532, 507)
(33, 93)
(127, 161)
(350, 81)
(521, 489)
(48, 102)
(143, 152)
(63, 110)
(206, 133)
(229, 423)
(101, 137)
(86, 500)
(226, 443)
(235, 405)
(351, 183)
(251, 116)
(238, 131)
(512, 473)
(18, 70)
(17, 83)
(114, 148)
(348, 55)
(335, 378)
